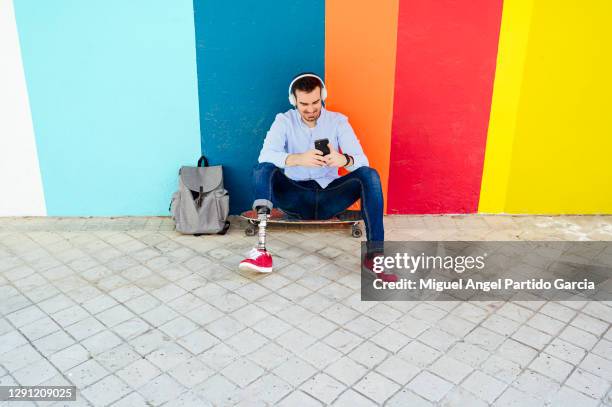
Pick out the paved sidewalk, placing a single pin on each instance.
(134, 314)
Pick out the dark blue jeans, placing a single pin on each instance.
(307, 200)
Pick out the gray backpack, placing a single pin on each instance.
(201, 204)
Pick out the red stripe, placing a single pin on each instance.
(446, 55)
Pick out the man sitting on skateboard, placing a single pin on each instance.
(299, 179)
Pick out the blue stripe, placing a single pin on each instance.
(113, 93)
(247, 54)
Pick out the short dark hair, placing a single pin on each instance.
(306, 84)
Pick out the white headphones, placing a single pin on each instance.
(292, 96)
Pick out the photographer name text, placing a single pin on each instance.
(470, 284)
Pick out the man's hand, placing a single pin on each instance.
(334, 158)
(311, 158)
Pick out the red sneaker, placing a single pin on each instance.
(368, 264)
(259, 260)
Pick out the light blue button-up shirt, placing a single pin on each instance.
(290, 135)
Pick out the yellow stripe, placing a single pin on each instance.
(550, 135)
(563, 141)
(511, 54)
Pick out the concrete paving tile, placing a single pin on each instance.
(133, 304)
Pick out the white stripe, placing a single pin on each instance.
(21, 190)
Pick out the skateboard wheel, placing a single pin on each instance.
(356, 231)
(250, 231)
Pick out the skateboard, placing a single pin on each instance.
(279, 217)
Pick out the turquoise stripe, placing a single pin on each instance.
(248, 52)
(113, 93)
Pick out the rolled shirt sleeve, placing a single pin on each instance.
(274, 149)
(349, 144)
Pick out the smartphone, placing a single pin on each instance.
(321, 145)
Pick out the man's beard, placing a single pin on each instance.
(312, 118)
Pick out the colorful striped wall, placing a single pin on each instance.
(113, 101)
(482, 106)
(443, 83)
(247, 54)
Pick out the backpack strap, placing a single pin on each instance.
(198, 200)
(203, 159)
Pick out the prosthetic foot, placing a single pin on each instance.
(263, 213)
(258, 258)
